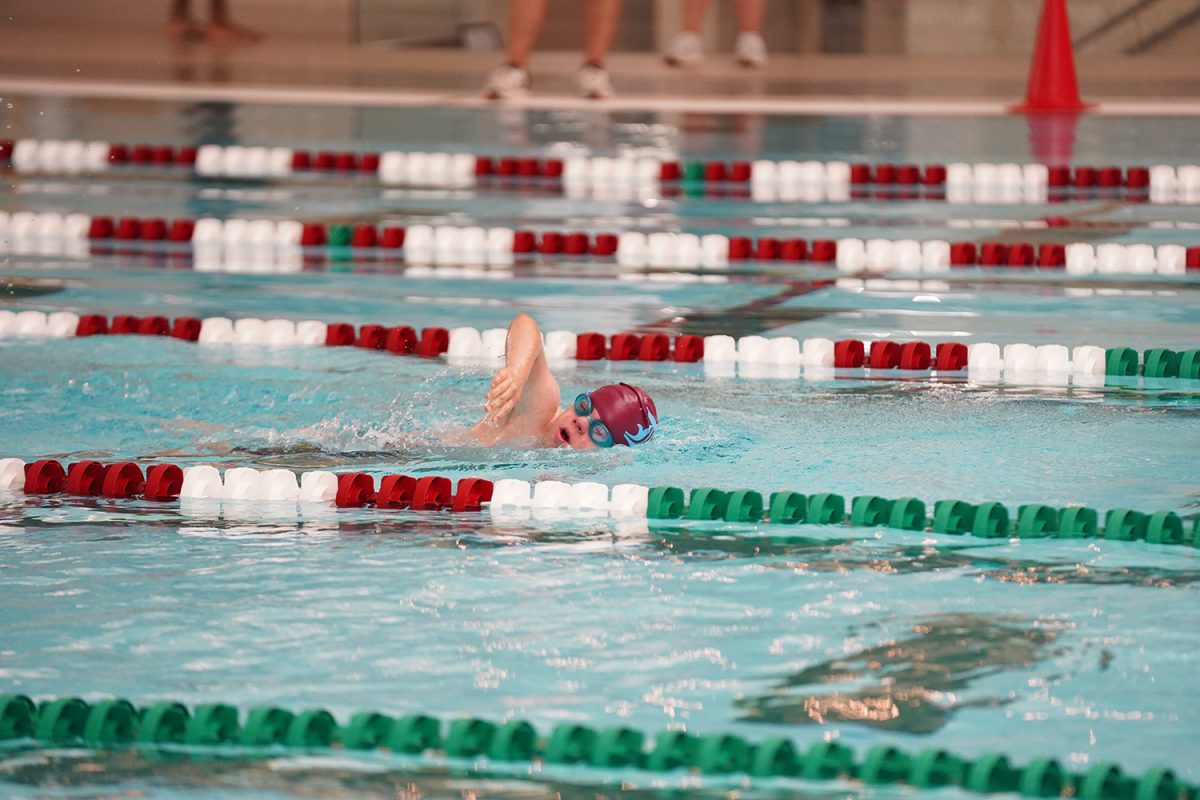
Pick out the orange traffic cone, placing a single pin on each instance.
(1052, 85)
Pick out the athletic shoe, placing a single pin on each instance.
(592, 82)
(685, 50)
(506, 83)
(750, 50)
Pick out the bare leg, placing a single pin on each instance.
(686, 48)
(511, 79)
(600, 25)
(223, 30)
(750, 14)
(179, 23)
(218, 12)
(524, 24)
(750, 50)
(693, 14)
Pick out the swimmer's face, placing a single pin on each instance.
(569, 430)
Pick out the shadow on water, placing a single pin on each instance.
(80, 773)
(28, 287)
(906, 685)
(842, 553)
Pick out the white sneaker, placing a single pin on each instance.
(592, 82)
(506, 82)
(750, 50)
(685, 50)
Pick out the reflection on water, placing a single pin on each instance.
(812, 549)
(834, 552)
(80, 773)
(910, 685)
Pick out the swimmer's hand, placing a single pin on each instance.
(504, 393)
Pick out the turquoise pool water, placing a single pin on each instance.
(1080, 650)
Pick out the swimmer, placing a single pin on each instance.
(523, 403)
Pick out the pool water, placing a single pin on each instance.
(1083, 650)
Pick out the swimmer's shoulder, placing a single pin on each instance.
(516, 432)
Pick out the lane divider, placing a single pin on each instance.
(242, 485)
(511, 498)
(986, 520)
(1048, 363)
(766, 180)
(204, 491)
(170, 483)
(449, 244)
(117, 723)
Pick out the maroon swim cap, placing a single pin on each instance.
(628, 412)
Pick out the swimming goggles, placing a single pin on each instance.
(598, 432)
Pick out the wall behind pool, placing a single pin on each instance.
(980, 28)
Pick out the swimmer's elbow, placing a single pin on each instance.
(524, 339)
(523, 320)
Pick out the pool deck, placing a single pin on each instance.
(38, 60)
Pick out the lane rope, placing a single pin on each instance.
(501, 246)
(118, 724)
(513, 499)
(1018, 363)
(575, 173)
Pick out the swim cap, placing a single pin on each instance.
(627, 411)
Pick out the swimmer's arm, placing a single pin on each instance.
(525, 381)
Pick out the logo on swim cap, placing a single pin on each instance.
(627, 411)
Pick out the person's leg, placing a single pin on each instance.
(750, 49)
(218, 12)
(750, 15)
(524, 24)
(179, 23)
(223, 30)
(511, 79)
(693, 14)
(686, 48)
(600, 25)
